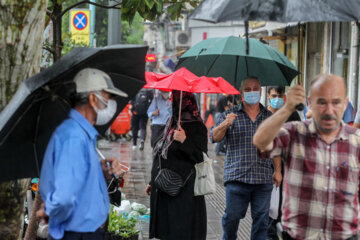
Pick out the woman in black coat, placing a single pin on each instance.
(183, 216)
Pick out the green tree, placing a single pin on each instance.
(133, 33)
(21, 31)
(147, 9)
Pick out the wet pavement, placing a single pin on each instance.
(139, 175)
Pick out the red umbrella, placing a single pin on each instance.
(222, 84)
(184, 80)
(151, 77)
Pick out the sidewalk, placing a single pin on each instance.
(139, 175)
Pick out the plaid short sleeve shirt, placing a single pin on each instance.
(320, 182)
(242, 163)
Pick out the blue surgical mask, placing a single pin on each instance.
(276, 103)
(252, 97)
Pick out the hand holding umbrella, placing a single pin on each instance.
(179, 135)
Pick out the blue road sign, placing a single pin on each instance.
(80, 21)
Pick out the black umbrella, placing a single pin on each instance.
(277, 10)
(42, 102)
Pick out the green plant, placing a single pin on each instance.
(121, 226)
(69, 44)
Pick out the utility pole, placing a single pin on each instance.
(92, 24)
(114, 25)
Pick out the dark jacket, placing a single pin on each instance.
(183, 216)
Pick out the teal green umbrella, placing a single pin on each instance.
(227, 58)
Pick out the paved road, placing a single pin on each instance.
(139, 175)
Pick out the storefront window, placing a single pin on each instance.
(315, 41)
(341, 32)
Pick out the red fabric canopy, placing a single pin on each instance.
(184, 80)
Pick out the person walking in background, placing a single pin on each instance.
(276, 98)
(73, 186)
(321, 156)
(182, 216)
(222, 105)
(159, 111)
(247, 178)
(139, 117)
(357, 119)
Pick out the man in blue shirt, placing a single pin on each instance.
(73, 186)
(159, 112)
(247, 178)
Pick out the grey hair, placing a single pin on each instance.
(80, 99)
(247, 79)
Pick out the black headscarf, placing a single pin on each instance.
(189, 113)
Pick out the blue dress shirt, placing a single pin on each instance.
(73, 186)
(165, 110)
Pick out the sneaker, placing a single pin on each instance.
(141, 147)
(134, 147)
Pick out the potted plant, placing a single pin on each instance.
(120, 228)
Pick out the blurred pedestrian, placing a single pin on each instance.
(321, 156)
(357, 119)
(139, 117)
(222, 105)
(247, 178)
(73, 186)
(159, 112)
(182, 216)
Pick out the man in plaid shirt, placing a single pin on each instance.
(321, 158)
(248, 179)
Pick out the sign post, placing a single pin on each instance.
(80, 26)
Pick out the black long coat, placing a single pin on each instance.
(183, 216)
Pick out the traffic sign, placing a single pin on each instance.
(80, 25)
(80, 21)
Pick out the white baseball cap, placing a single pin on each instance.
(91, 79)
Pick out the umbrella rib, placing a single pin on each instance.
(35, 138)
(212, 64)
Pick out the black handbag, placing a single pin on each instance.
(169, 181)
(114, 191)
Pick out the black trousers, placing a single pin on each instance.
(157, 131)
(286, 236)
(138, 122)
(97, 235)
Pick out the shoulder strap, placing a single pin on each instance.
(159, 161)
(191, 173)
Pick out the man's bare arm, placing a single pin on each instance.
(277, 176)
(269, 129)
(220, 131)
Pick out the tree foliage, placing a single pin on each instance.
(147, 9)
(150, 9)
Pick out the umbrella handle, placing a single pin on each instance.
(300, 106)
(178, 127)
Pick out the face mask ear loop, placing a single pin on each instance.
(100, 97)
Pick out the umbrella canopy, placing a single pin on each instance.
(227, 58)
(151, 77)
(184, 80)
(277, 10)
(42, 102)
